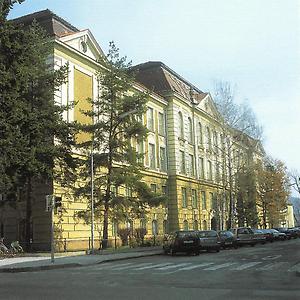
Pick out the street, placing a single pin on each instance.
(260, 272)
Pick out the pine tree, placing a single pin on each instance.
(36, 143)
(117, 128)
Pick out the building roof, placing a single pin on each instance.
(158, 77)
(53, 24)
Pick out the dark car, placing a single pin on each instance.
(244, 236)
(227, 239)
(181, 241)
(209, 240)
(295, 232)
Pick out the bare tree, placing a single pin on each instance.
(240, 138)
(294, 176)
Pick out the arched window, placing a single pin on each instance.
(208, 138)
(154, 227)
(204, 225)
(181, 125)
(195, 225)
(115, 228)
(185, 225)
(190, 133)
(166, 226)
(143, 223)
(199, 135)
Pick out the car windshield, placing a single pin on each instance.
(186, 234)
(207, 234)
(226, 233)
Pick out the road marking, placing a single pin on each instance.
(271, 266)
(152, 266)
(130, 266)
(174, 266)
(271, 257)
(217, 267)
(246, 266)
(294, 268)
(119, 266)
(195, 266)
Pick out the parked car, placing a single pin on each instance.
(284, 230)
(295, 232)
(270, 237)
(259, 236)
(244, 236)
(181, 241)
(227, 239)
(209, 240)
(278, 236)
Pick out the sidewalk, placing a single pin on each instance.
(38, 263)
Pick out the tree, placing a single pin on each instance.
(272, 191)
(116, 129)
(37, 142)
(239, 140)
(295, 180)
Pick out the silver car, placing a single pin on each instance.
(244, 236)
(209, 240)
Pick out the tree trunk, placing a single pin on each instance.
(105, 228)
(28, 215)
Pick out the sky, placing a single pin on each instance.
(254, 45)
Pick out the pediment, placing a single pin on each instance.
(208, 105)
(84, 42)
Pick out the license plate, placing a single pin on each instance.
(188, 242)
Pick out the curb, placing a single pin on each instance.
(70, 265)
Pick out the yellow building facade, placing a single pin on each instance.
(181, 150)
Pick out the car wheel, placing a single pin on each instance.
(166, 251)
(197, 253)
(217, 249)
(253, 244)
(235, 246)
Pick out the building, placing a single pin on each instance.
(187, 150)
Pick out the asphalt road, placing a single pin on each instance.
(262, 272)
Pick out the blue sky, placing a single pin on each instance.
(254, 45)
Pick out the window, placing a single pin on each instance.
(195, 225)
(203, 199)
(201, 167)
(143, 223)
(213, 201)
(194, 199)
(191, 165)
(182, 162)
(154, 227)
(208, 138)
(113, 190)
(199, 134)
(161, 124)
(128, 192)
(204, 225)
(140, 151)
(152, 156)
(209, 170)
(153, 187)
(115, 228)
(164, 190)
(180, 124)
(150, 119)
(216, 142)
(163, 159)
(165, 226)
(129, 225)
(184, 197)
(185, 225)
(190, 132)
